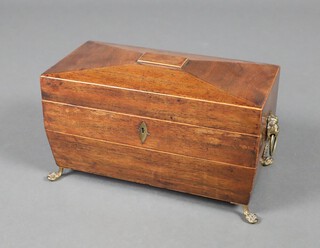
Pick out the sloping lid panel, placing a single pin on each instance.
(200, 77)
(153, 79)
(94, 55)
(249, 81)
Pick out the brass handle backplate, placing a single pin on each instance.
(143, 132)
(272, 132)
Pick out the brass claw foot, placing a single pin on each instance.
(266, 161)
(53, 176)
(250, 217)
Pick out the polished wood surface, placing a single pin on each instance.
(269, 107)
(92, 55)
(246, 81)
(194, 141)
(167, 107)
(152, 79)
(205, 115)
(164, 170)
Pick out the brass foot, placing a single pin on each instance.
(250, 217)
(266, 161)
(53, 176)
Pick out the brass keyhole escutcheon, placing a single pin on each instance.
(143, 132)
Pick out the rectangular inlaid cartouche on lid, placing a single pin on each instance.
(162, 60)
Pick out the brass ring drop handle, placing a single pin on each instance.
(272, 131)
(273, 143)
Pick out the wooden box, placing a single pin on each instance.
(189, 123)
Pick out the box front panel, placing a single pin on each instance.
(188, 140)
(165, 170)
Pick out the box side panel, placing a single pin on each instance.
(269, 107)
(160, 106)
(180, 173)
(176, 138)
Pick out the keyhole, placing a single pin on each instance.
(143, 132)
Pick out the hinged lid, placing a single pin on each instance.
(186, 75)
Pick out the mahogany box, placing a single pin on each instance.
(189, 123)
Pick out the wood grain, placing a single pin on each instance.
(246, 81)
(249, 81)
(234, 148)
(269, 107)
(195, 176)
(171, 108)
(206, 117)
(153, 79)
(93, 55)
